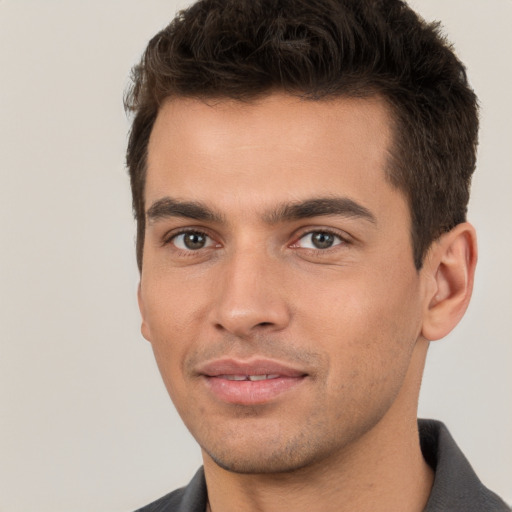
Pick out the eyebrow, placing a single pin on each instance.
(168, 207)
(342, 206)
(317, 207)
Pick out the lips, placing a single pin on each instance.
(252, 378)
(249, 382)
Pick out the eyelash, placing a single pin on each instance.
(343, 240)
(169, 238)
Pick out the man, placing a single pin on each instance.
(300, 174)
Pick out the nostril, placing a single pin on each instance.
(258, 315)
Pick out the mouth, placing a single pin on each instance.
(252, 378)
(250, 382)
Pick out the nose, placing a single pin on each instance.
(252, 295)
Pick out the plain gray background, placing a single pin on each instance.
(85, 423)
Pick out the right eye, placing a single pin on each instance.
(192, 241)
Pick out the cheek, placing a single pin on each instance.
(370, 344)
(368, 325)
(170, 304)
(171, 321)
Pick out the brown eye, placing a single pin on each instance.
(319, 240)
(192, 241)
(322, 240)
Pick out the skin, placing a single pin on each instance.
(354, 317)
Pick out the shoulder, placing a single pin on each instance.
(191, 498)
(169, 502)
(456, 486)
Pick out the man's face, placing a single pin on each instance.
(278, 286)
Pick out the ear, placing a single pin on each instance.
(144, 329)
(450, 268)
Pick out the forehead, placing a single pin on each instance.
(271, 120)
(278, 148)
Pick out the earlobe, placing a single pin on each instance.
(451, 268)
(144, 328)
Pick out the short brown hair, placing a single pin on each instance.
(319, 49)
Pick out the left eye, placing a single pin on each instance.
(192, 241)
(318, 240)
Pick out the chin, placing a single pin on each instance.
(269, 457)
(258, 465)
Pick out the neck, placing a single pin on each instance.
(383, 470)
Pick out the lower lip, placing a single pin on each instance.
(246, 392)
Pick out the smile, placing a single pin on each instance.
(252, 378)
(249, 382)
